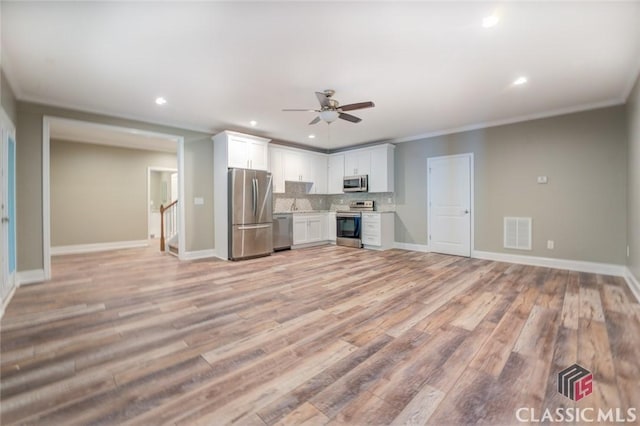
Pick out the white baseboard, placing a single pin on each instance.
(199, 254)
(413, 247)
(90, 248)
(29, 277)
(633, 283)
(571, 265)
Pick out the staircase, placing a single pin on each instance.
(169, 228)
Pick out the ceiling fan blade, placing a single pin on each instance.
(315, 120)
(296, 109)
(323, 99)
(349, 117)
(359, 105)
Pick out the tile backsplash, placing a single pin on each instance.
(297, 192)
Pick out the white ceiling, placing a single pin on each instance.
(430, 67)
(79, 131)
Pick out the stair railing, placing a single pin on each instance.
(168, 223)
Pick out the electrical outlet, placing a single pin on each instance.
(542, 179)
(389, 200)
(550, 244)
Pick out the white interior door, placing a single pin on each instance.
(449, 204)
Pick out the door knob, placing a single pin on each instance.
(466, 211)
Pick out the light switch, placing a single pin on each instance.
(542, 179)
(198, 201)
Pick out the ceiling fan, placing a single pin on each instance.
(330, 110)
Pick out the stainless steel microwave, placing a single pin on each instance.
(355, 183)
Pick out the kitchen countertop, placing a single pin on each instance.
(327, 211)
(302, 211)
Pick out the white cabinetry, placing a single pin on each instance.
(331, 227)
(335, 174)
(357, 162)
(308, 228)
(377, 162)
(318, 165)
(247, 152)
(378, 230)
(296, 166)
(289, 164)
(276, 166)
(381, 176)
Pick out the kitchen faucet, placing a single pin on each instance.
(293, 206)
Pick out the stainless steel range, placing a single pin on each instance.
(349, 223)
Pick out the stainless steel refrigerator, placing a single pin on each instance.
(250, 214)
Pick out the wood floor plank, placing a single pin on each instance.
(323, 335)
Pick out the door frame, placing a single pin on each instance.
(156, 169)
(468, 155)
(8, 129)
(47, 120)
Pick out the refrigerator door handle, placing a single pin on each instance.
(254, 188)
(257, 195)
(245, 227)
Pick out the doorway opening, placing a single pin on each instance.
(108, 137)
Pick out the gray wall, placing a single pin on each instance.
(198, 169)
(29, 178)
(633, 194)
(7, 98)
(99, 193)
(582, 208)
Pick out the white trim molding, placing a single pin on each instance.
(30, 277)
(571, 265)
(198, 254)
(90, 248)
(412, 247)
(6, 301)
(633, 283)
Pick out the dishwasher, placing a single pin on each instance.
(282, 231)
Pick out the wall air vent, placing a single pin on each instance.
(517, 233)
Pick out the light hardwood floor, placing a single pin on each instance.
(316, 336)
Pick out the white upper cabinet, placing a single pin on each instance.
(290, 164)
(357, 162)
(296, 166)
(276, 167)
(381, 175)
(245, 151)
(319, 172)
(335, 174)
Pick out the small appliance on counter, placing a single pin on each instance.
(250, 214)
(349, 223)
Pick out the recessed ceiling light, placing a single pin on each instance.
(312, 136)
(490, 21)
(520, 81)
(253, 123)
(160, 100)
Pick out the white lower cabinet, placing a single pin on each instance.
(308, 228)
(378, 231)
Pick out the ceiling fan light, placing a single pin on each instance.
(329, 115)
